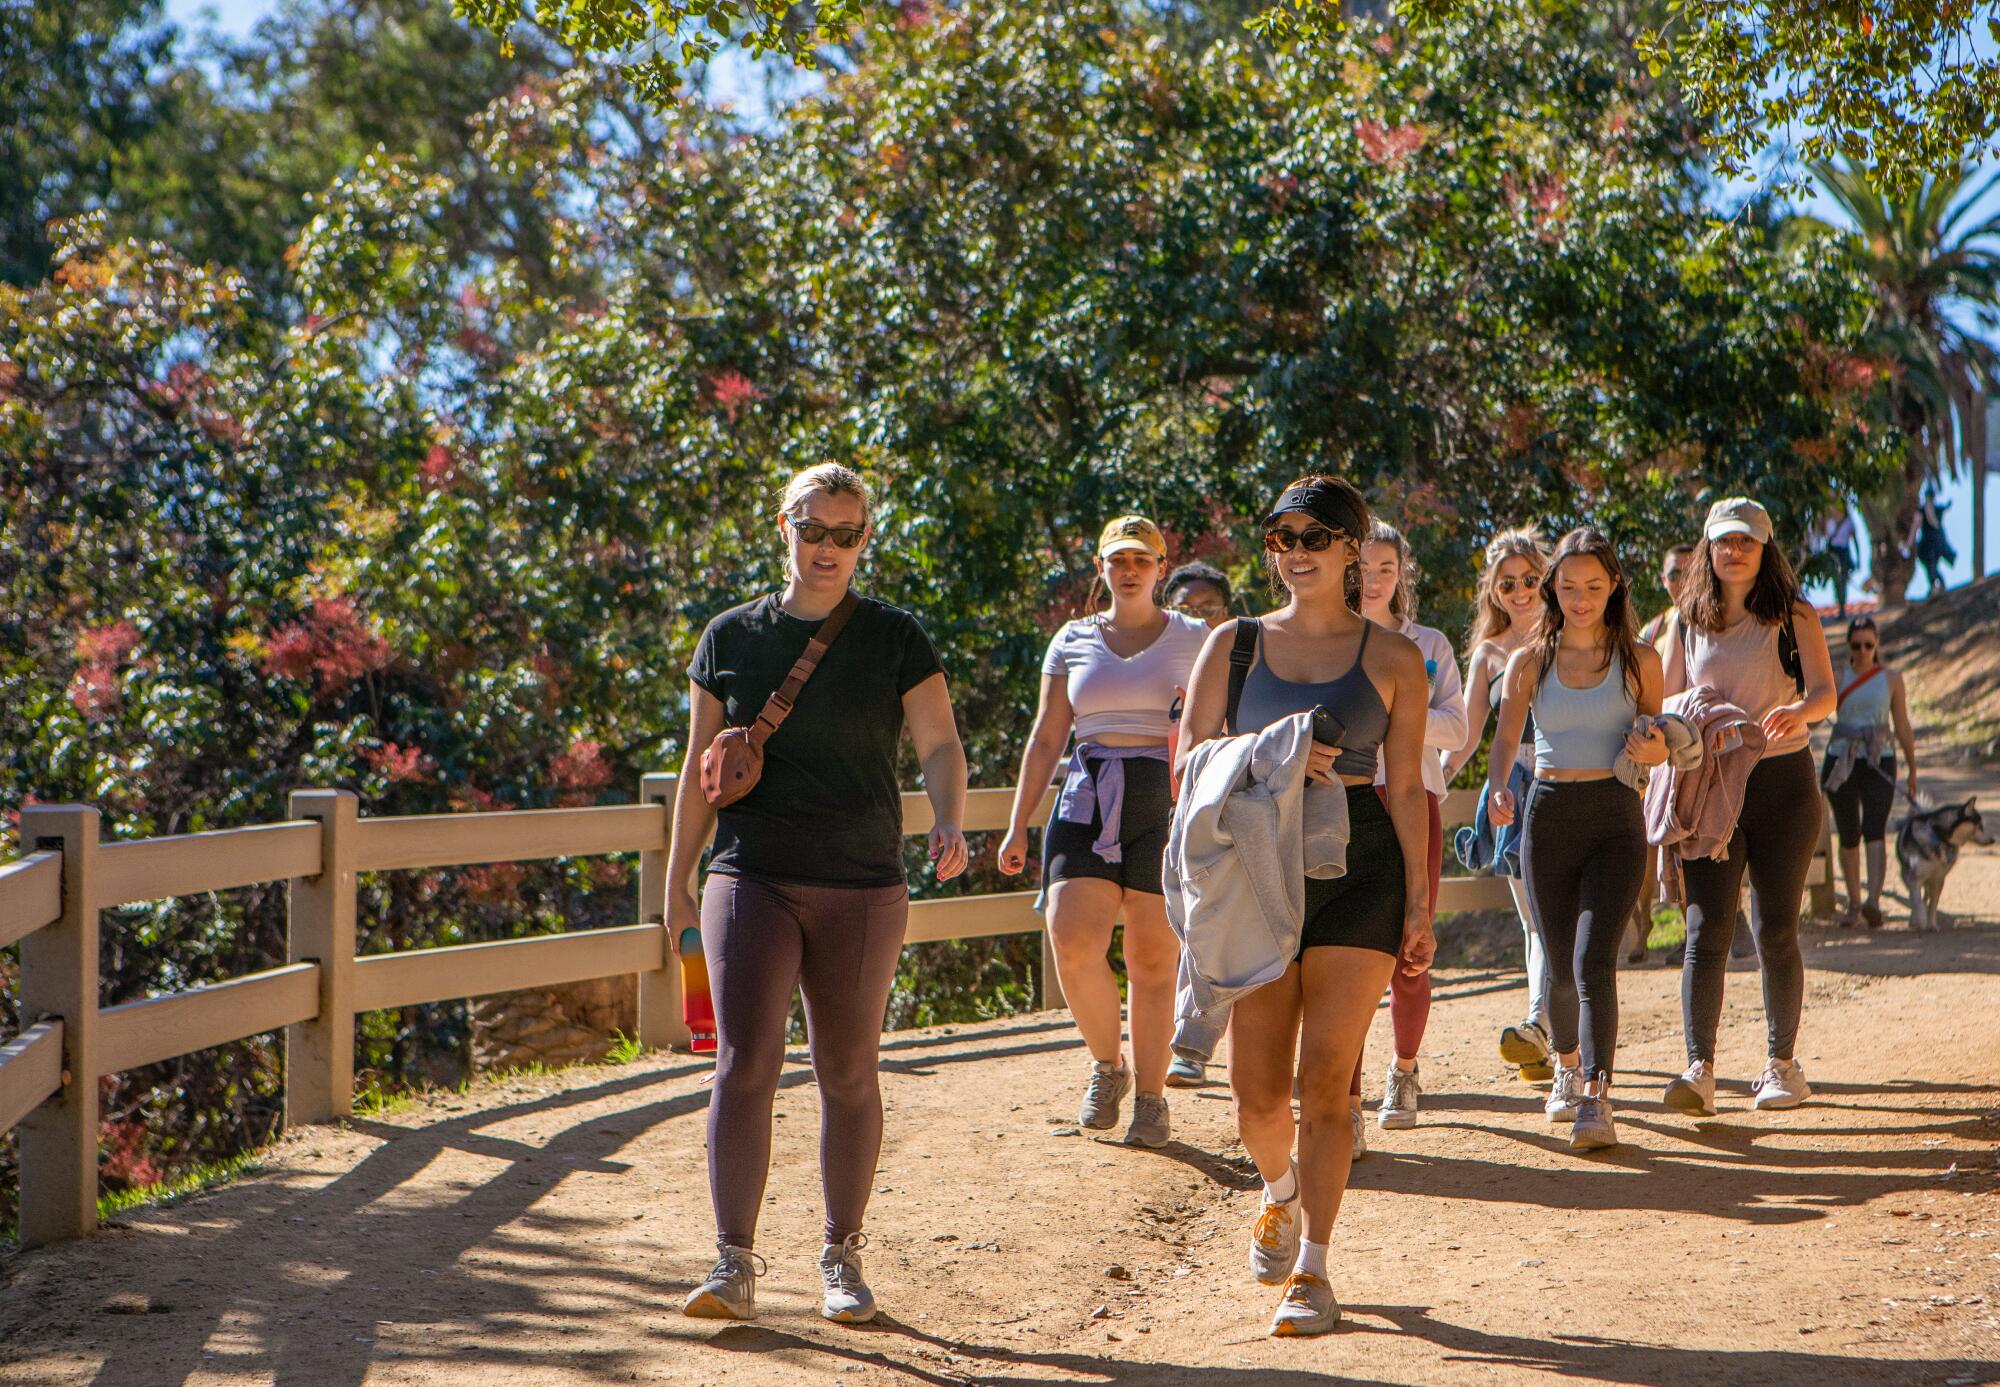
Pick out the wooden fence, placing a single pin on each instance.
(51, 899)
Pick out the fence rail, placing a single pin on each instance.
(51, 900)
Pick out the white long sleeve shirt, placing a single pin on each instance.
(1445, 724)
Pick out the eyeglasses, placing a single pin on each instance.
(1861, 645)
(1202, 611)
(1527, 584)
(843, 536)
(1313, 538)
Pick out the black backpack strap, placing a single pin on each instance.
(1788, 654)
(1242, 655)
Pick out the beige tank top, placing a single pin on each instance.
(1741, 663)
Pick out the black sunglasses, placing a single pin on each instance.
(843, 536)
(1313, 539)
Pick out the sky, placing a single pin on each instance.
(238, 17)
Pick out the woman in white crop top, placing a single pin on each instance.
(1112, 677)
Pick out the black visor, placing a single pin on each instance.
(1324, 504)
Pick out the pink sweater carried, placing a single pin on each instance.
(1693, 811)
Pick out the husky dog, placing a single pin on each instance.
(1927, 847)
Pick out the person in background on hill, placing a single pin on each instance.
(1317, 654)
(1200, 591)
(1933, 547)
(1588, 679)
(1111, 677)
(1389, 598)
(1509, 604)
(1837, 541)
(1673, 572)
(806, 887)
(1741, 628)
(1859, 773)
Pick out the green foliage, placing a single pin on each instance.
(624, 1049)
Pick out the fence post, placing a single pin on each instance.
(319, 1054)
(661, 1025)
(1820, 894)
(58, 1150)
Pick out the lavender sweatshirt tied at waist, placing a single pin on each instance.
(1100, 794)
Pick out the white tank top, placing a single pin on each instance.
(1132, 696)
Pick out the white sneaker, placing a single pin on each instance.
(1694, 1091)
(1307, 1307)
(1359, 1122)
(1399, 1099)
(1593, 1130)
(848, 1299)
(1527, 1043)
(1565, 1093)
(1274, 1240)
(730, 1293)
(1783, 1085)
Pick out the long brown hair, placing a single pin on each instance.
(1489, 618)
(1402, 601)
(1351, 575)
(1621, 632)
(1773, 593)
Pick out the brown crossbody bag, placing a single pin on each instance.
(734, 761)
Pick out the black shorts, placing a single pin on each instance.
(1364, 909)
(1862, 804)
(1147, 815)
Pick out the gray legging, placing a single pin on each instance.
(839, 945)
(1774, 840)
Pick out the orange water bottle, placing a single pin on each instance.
(697, 1008)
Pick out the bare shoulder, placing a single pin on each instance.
(1649, 659)
(1395, 655)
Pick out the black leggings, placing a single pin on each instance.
(1584, 864)
(1862, 803)
(1774, 840)
(839, 945)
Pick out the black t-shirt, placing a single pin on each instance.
(827, 810)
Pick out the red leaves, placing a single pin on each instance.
(100, 650)
(580, 773)
(399, 765)
(107, 645)
(732, 391)
(497, 883)
(95, 691)
(123, 1163)
(330, 646)
(439, 467)
(1389, 146)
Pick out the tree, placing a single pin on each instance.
(1932, 264)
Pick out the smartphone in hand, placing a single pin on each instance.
(1328, 727)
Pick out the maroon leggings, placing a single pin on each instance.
(839, 945)
(1410, 997)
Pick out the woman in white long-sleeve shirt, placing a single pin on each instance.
(1389, 598)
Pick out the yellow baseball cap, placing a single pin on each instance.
(1131, 532)
(1738, 515)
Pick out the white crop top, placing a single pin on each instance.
(1111, 695)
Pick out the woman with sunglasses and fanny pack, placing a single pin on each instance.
(1317, 654)
(1111, 677)
(806, 887)
(1859, 773)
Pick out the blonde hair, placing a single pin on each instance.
(833, 478)
(1489, 618)
(1403, 601)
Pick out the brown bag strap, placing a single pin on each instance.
(779, 705)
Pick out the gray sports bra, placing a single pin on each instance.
(1352, 698)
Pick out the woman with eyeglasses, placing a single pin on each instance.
(1741, 628)
(1508, 605)
(1859, 773)
(1111, 678)
(1318, 654)
(806, 888)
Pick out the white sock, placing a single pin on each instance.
(1284, 1189)
(1103, 1068)
(1312, 1258)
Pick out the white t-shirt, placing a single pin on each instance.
(1109, 694)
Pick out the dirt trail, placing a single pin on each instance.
(542, 1230)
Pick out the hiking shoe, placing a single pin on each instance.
(730, 1293)
(1593, 1130)
(1274, 1240)
(1307, 1307)
(1399, 1099)
(1783, 1085)
(848, 1299)
(1359, 1123)
(1694, 1091)
(1564, 1094)
(1539, 1072)
(1527, 1043)
(1871, 915)
(1108, 1086)
(1149, 1121)
(1186, 1073)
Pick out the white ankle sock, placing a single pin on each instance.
(1284, 1189)
(1312, 1258)
(1104, 1068)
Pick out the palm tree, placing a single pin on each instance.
(1929, 261)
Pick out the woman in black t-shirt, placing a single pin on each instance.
(806, 886)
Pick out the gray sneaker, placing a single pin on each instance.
(1399, 1099)
(1186, 1073)
(1526, 1043)
(730, 1293)
(1593, 1130)
(1564, 1094)
(1149, 1121)
(1308, 1307)
(1274, 1240)
(848, 1299)
(1108, 1087)
(1357, 1122)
